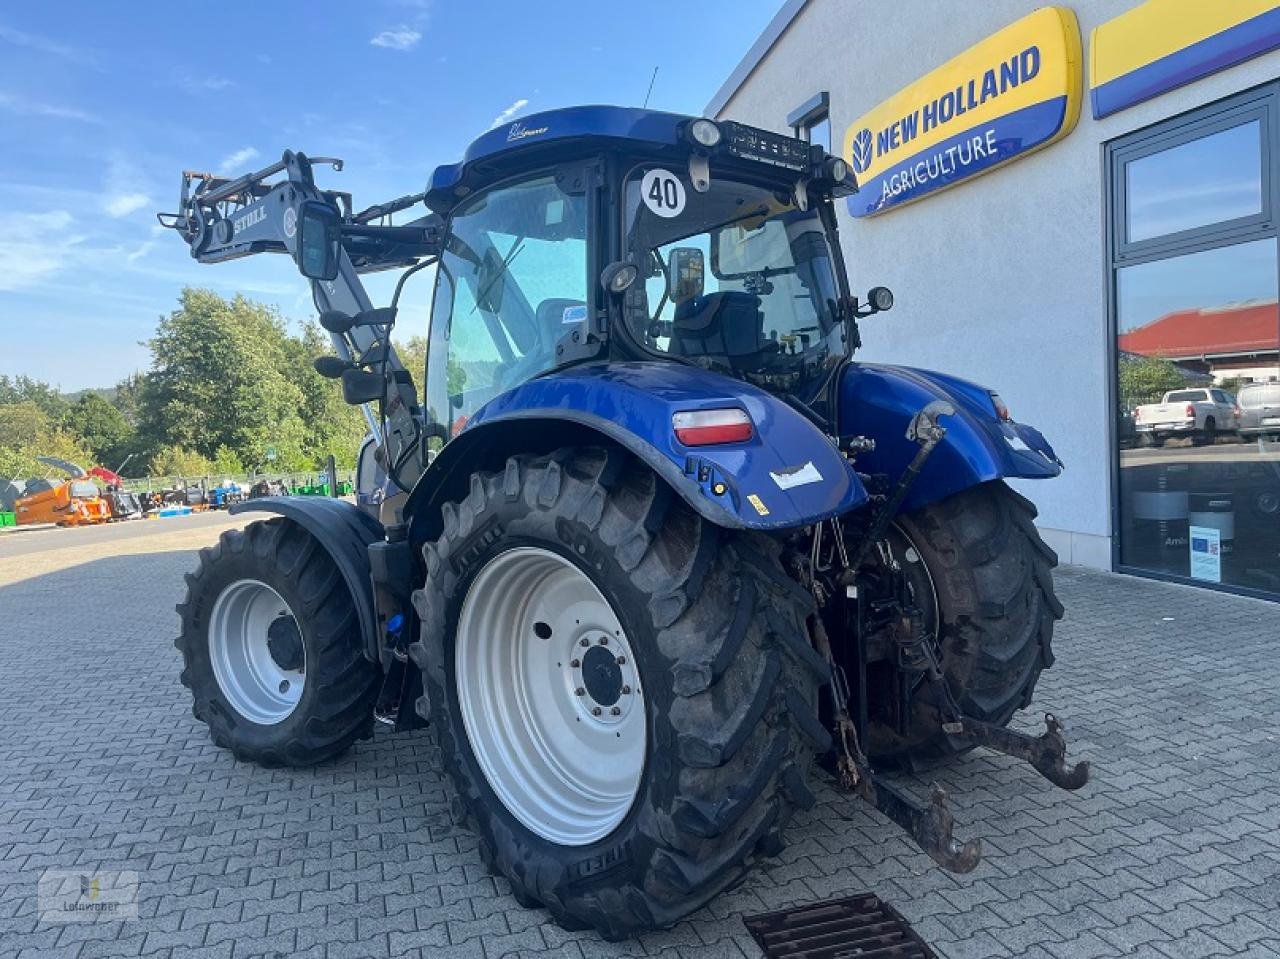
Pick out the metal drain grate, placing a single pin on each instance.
(860, 927)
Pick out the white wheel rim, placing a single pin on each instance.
(550, 696)
(251, 678)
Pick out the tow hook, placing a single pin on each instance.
(1046, 753)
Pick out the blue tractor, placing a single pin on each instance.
(654, 545)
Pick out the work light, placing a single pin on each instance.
(704, 133)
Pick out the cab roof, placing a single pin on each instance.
(541, 130)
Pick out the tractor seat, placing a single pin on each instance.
(551, 318)
(728, 323)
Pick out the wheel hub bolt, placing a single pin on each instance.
(284, 685)
(626, 690)
(585, 642)
(575, 663)
(579, 691)
(616, 711)
(621, 660)
(595, 711)
(604, 640)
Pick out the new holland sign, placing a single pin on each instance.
(1162, 44)
(1015, 92)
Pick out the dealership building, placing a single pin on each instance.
(1075, 205)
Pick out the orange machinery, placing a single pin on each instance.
(73, 502)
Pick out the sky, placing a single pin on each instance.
(101, 109)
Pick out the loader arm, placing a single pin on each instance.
(223, 218)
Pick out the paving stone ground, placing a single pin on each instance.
(1172, 851)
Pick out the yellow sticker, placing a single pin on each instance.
(758, 503)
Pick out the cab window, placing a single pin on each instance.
(512, 283)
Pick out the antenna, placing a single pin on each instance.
(650, 90)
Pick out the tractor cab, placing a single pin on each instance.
(665, 238)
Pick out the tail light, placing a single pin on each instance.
(709, 427)
(1002, 411)
(1191, 412)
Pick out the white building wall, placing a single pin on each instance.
(1001, 279)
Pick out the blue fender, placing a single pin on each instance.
(787, 475)
(879, 401)
(345, 533)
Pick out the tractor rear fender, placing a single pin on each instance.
(879, 402)
(787, 475)
(345, 532)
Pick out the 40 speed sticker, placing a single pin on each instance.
(663, 193)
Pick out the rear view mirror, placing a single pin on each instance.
(687, 274)
(319, 240)
(360, 387)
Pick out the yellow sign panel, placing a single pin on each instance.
(1015, 92)
(1163, 44)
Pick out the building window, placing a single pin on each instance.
(1195, 274)
(811, 120)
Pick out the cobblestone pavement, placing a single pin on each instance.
(1173, 850)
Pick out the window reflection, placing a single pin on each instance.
(1210, 180)
(1200, 474)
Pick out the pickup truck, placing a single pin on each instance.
(1199, 413)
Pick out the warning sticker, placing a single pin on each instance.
(758, 503)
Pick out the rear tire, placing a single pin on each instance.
(992, 576)
(721, 652)
(247, 580)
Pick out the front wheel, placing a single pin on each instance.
(983, 579)
(271, 648)
(624, 696)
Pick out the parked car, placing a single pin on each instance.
(1198, 413)
(1259, 409)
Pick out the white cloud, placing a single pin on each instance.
(26, 107)
(124, 189)
(41, 44)
(146, 247)
(34, 246)
(234, 161)
(508, 113)
(397, 38)
(204, 84)
(122, 204)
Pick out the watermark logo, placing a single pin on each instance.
(70, 896)
(862, 151)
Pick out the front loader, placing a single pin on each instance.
(653, 543)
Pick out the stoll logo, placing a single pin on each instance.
(519, 131)
(862, 151)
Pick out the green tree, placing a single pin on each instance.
(218, 379)
(24, 389)
(331, 424)
(1144, 379)
(179, 461)
(21, 423)
(102, 427)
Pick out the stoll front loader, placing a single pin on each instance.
(653, 542)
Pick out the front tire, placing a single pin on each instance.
(716, 645)
(992, 606)
(271, 648)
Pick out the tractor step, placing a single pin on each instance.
(860, 925)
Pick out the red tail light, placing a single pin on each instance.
(709, 427)
(1191, 412)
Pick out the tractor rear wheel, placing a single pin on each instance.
(623, 694)
(271, 648)
(983, 578)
